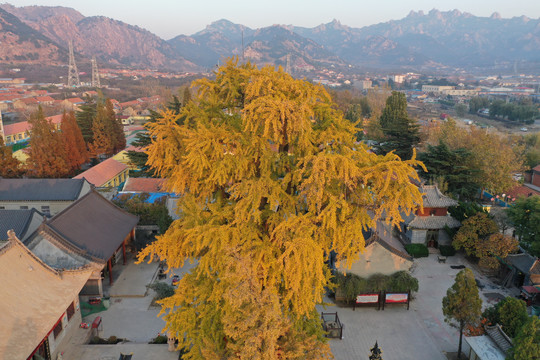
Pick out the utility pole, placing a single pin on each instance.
(95, 74)
(73, 73)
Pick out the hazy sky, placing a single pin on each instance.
(168, 18)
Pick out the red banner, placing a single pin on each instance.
(396, 298)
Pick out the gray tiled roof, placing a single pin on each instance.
(498, 336)
(523, 262)
(94, 224)
(40, 189)
(433, 222)
(16, 220)
(434, 198)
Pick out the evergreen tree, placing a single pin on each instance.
(525, 216)
(275, 183)
(527, 341)
(400, 132)
(187, 95)
(118, 139)
(85, 119)
(103, 142)
(462, 304)
(46, 154)
(10, 167)
(452, 166)
(74, 145)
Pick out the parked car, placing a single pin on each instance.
(175, 280)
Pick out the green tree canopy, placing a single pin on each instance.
(400, 131)
(453, 167)
(462, 304)
(525, 216)
(272, 182)
(85, 119)
(527, 341)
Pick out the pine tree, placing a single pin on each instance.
(400, 131)
(46, 154)
(118, 138)
(275, 183)
(10, 167)
(75, 147)
(85, 118)
(527, 341)
(462, 304)
(187, 95)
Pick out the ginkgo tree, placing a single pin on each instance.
(272, 181)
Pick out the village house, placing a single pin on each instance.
(426, 226)
(20, 132)
(49, 196)
(107, 174)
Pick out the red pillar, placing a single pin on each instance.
(109, 265)
(124, 251)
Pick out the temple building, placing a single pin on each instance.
(39, 305)
(92, 230)
(426, 226)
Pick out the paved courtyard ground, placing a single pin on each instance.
(419, 333)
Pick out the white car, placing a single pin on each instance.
(524, 129)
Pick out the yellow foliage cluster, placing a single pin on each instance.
(271, 182)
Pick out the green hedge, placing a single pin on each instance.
(417, 250)
(447, 250)
(350, 285)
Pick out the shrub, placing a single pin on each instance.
(378, 282)
(447, 250)
(417, 250)
(402, 281)
(160, 339)
(163, 290)
(350, 285)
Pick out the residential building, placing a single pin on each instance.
(426, 226)
(20, 132)
(437, 89)
(107, 174)
(49, 196)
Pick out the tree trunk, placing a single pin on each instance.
(461, 325)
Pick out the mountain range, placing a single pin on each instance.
(419, 41)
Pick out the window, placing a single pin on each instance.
(433, 212)
(70, 310)
(58, 328)
(24, 207)
(46, 210)
(2, 208)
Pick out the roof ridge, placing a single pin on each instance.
(14, 241)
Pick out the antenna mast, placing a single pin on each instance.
(73, 73)
(95, 73)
